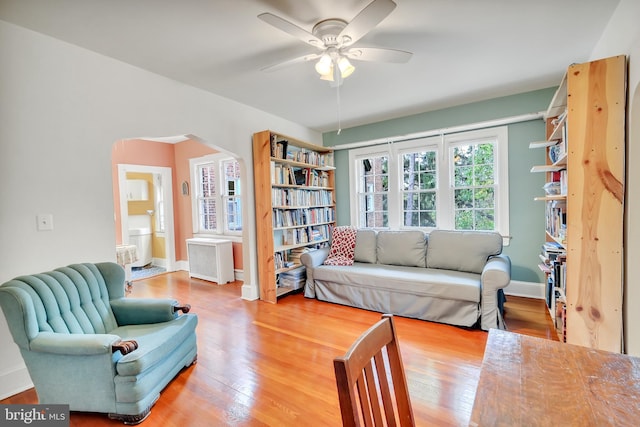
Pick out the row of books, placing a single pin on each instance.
(294, 197)
(281, 149)
(556, 219)
(287, 175)
(291, 258)
(311, 234)
(297, 217)
(554, 257)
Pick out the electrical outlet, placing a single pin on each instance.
(45, 222)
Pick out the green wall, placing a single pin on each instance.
(526, 216)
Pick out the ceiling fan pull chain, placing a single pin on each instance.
(338, 99)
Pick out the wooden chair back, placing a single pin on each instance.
(372, 387)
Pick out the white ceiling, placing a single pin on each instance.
(463, 50)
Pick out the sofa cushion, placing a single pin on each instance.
(365, 246)
(401, 248)
(443, 284)
(462, 250)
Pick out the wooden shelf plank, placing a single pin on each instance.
(542, 144)
(548, 168)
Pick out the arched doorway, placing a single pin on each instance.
(165, 163)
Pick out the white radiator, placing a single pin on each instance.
(210, 259)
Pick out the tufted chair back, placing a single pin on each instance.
(71, 300)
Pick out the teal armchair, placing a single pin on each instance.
(86, 345)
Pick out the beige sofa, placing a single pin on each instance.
(453, 277)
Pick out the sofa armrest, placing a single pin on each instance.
(495, 275)
(312, 260)
(138, 311)
(73, 344)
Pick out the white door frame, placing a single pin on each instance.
(167, 189)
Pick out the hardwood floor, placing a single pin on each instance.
(262, 364)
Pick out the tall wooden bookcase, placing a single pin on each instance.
(586, 138)
(295, 205)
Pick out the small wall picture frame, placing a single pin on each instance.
(185, 188)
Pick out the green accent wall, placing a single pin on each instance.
(526, 215)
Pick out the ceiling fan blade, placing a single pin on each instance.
(290, 62)
(291, 29)
(366, 20)
(377, 54)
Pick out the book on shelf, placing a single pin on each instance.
(278, 147)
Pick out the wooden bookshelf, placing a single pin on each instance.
(295, 204)
(586, 124)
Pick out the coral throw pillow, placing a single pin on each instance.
(343, 246)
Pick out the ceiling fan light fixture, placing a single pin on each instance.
(346, 69)
(324, 66)
(327, 77)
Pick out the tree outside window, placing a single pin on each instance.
(419, 189)
(473, 182)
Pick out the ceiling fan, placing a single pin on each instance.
(334, 38)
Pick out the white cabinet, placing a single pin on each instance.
(210, 259)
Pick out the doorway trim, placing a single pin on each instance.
(167, 192)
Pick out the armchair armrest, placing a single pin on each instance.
(138, 311)
(74, 344)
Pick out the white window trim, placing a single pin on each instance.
(442, 144)
(218, 159)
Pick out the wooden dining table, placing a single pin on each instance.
(529, 381)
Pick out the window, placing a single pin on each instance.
(455, 181)
(473, 171)
(419, 185)
(373, 188)
(231, 197)
(216, 196)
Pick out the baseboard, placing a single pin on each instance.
(159, 262)
(182, 265)
(249, 292)
(239, 275)
(14, 382)
(525, 289)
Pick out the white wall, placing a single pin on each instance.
(61, 110)
(622, 37)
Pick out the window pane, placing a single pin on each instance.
(464, 219)
(464, 198)
(208, 214)
(484, 219)
(483, 175)
(373, 201)
(419, 176)
(428, 219)
(233, 216)
(463, 176)
(484, 197)
(428, 201)
(207, 181)
(474, 192)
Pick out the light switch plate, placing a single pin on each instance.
(45, 222)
